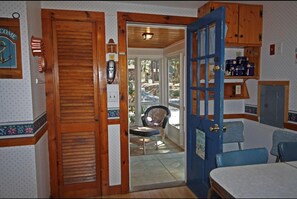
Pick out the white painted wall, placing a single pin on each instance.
(18, 172)
(34, 29)
(24, 169)
(15, 98)
(279, 25)
(42, 167)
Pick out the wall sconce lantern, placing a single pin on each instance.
(37, 48)
(147, 35)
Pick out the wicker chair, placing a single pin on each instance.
(156, 117)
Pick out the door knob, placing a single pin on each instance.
(215, 128)
(216, 68)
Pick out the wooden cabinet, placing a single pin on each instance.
(244, 30)
(244, 22)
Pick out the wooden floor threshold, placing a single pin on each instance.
(172, 192)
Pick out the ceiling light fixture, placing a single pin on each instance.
(147, 35)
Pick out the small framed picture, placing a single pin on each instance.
(10, 48)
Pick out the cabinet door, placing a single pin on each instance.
(250, 24)
(231, 20)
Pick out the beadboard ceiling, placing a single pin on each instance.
(163, 36)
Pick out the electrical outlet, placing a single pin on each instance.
(238, 90)
(112, 97)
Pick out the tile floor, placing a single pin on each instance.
(156, 169)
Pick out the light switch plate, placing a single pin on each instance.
(238, 90)
(112, 95)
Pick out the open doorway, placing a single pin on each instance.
(156, 77)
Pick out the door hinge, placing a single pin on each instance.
(260, 37)
(261, 13)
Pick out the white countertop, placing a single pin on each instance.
(274, 180)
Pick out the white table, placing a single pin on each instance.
(273, 180)
(293, 164)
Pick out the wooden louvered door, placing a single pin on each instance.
(76, 105)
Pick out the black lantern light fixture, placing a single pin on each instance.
(147, 35)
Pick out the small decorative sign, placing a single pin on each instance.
(10, 48)
(200, 143)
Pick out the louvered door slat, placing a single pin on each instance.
(75, 47)
(78, 149)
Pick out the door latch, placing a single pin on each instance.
(216, 128)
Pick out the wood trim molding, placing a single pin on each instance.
(251, 117)
(23, 141)
(114, 121)
(290, 126)
(123, 18)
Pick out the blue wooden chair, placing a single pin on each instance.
(233, 133)
(281, 136)
(287, 151)
(242, 157)
(239, 158)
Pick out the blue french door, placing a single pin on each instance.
(205, 97)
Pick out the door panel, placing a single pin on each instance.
(250, 24)
(205, 69)
(76, 103)
(72, 44)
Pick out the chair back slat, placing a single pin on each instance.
(242, 157)
(281, 136)
(287, 151)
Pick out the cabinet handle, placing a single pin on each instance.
(241, 36)
(236, 35)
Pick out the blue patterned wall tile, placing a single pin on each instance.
(292, 117)
(23, 129)
(113, 113)
(250, 109)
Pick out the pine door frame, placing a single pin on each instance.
(123, 18)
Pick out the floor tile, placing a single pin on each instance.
(165, 165)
